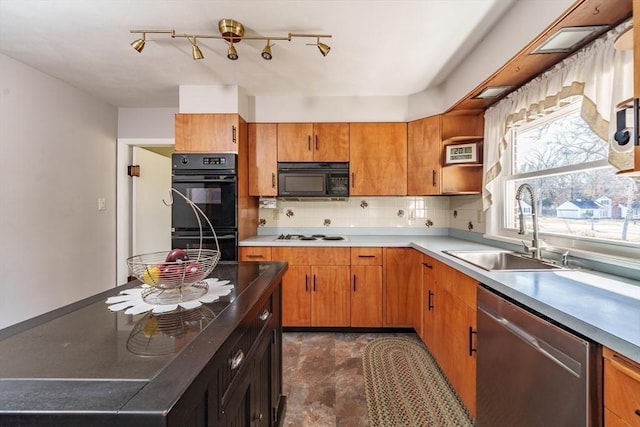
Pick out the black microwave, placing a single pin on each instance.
(309, 179)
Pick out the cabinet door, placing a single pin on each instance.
(621, 390)
(296, 296)
(424, 148)
(295, 142)
(366, 296)
(263, 159)
(378, 159)
(402, 284)
(330, 299)
(456, 296)
(206, 133)
(331, 142)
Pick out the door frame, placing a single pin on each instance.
(124, 195)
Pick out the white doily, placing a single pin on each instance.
(131, 300)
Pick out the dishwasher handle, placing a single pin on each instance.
(550, 352)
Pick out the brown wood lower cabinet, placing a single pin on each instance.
(366, 287)
(449, 325)
(315, 289)
(621, 390)
(401, 291)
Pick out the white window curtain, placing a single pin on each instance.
(598, 72)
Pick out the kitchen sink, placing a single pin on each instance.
(503, 261)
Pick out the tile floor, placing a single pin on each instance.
(323, 378)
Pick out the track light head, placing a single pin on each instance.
(266, 52)
(195, 50)
(323, 48)
(232, 53)
(138, 44)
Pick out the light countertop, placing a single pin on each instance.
(603, 308)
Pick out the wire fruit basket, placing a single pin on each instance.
(176, 276)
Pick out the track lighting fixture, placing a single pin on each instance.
(138, 44)
(232, 53)
(324, 49)
(232, 32)
(195, 50)
(266, 52)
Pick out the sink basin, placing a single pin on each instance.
(503, 261)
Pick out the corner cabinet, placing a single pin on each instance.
(313, 142)
(401, 292)
(378, 159)
(426, 144)
(263, 159)
(208, 133)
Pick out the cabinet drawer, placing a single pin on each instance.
(255, 253)
(366, 256)
(311, 256)
(622, 387)
(239, 347)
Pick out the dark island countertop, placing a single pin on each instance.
(79, 358)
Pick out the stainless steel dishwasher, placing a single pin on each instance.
(531, 372)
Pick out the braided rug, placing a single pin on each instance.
(405, 387)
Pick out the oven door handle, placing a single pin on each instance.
(191, 180)
(223, 237)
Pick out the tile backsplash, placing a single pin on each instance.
(461, 212)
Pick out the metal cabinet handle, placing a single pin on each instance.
(234, 138)
(253, 256)
(353, 180)
(429, 301)
(273, 180)
(429, 266)
(317, 145)
(314, 283)
(354, 283)
(264, 315)
(237, 360)
(471, 334)
(306, 283)
(637, 412)
(366, 256)
(309, 142)
(433, 177)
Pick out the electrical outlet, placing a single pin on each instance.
(102, 204)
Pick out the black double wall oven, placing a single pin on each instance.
(210, 181)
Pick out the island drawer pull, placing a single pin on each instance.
(264, 315)
(237, 360)
(366, 256)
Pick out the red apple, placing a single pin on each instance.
(177, 255)
(172, 274)
(193, 272)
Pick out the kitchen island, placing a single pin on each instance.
(218, 364)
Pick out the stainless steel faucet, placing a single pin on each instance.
(535, 243)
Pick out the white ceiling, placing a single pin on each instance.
(379, 47)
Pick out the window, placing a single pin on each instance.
(578, 195)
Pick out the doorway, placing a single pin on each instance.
(143, 221)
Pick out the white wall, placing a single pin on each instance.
(58, 149)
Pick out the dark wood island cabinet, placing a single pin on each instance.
(79, 365)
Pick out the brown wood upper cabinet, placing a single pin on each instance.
(378, 159)
(423, 164)
(208, 133)
(426, 142)
(313, 142)
(263, 159)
